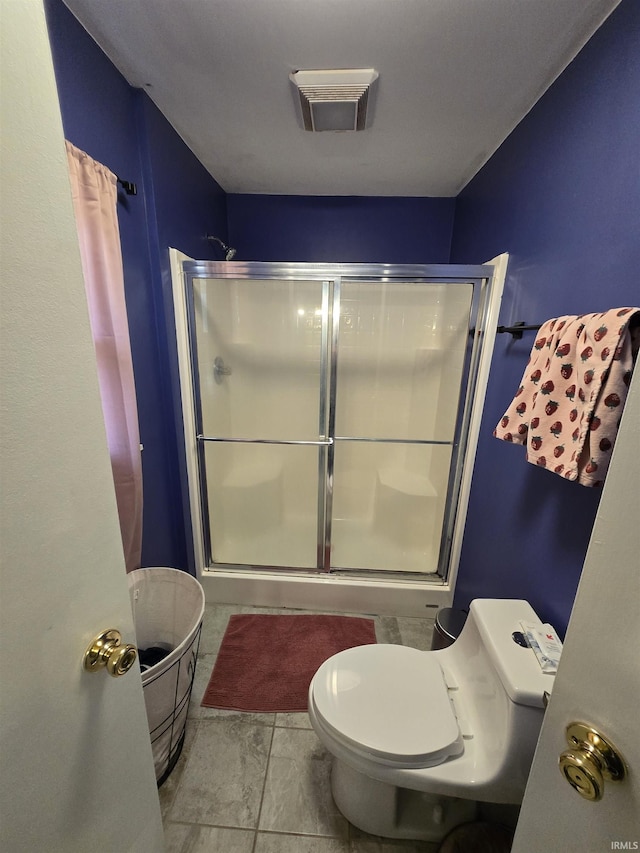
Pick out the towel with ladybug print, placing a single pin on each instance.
(568, 406)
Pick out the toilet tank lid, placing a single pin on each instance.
(522, 678)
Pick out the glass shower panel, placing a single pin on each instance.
(389, 502)
(400, 359)
(262, 503)
(400, 366)
(258, 349)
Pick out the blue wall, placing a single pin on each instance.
(341, 229)
(562, 196)
(177, 204)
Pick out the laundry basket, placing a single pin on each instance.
(168, 606)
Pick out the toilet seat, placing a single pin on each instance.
(387, 702)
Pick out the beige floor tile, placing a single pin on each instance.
(204, 666)
(297, 796)
(167, 791)
(416, 633)
(387, 630)
(188, 838)
(214, 624)
(223, 779)
(293, 721)
(276, 843)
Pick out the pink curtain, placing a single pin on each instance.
(94, 193)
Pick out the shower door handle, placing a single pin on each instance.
(220, 369)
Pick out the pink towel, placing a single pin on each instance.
(568, 406)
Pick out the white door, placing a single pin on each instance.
(75, 756)
(598, 680)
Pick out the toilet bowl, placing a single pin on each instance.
(419, 738)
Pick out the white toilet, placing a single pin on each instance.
(418, 738)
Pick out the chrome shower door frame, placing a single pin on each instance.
(332, 277)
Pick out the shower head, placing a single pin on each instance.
(229, 251)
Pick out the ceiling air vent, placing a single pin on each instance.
(334, 99)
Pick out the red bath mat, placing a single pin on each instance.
(266, 663)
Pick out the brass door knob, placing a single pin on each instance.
(583, 773)
(106, 651)
(590, 760)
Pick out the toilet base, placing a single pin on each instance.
(381, 809)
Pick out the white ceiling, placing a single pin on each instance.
(456, 76)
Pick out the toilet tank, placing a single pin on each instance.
(500, 693)
(522, 678)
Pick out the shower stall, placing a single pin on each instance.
(329, 414)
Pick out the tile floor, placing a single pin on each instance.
(259, 783)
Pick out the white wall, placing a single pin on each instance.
(43, 300)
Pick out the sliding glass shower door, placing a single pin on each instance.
(330, 415)
(400, 363)
(260, 357)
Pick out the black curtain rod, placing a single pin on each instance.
(127, 186)
(517, 329)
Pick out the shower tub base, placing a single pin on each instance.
(328, 592)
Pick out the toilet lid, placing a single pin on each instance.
(389, 701)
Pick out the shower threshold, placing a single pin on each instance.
(335, 592)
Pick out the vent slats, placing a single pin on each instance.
(327, 95)
(333, 93)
